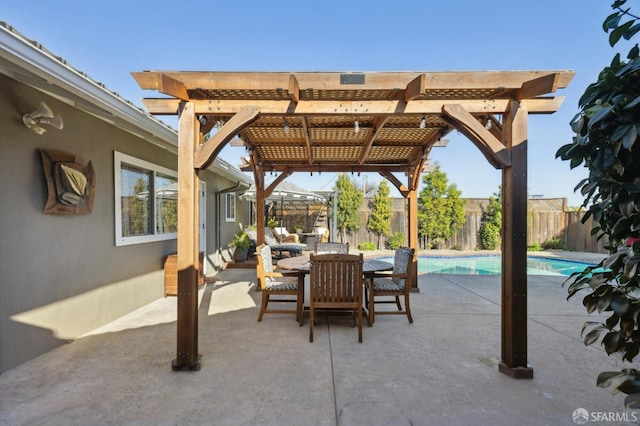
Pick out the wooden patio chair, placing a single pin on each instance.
(336, 284)
(394, 284)
(277, 283)
(327, 247)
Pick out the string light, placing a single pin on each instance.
(488, 125)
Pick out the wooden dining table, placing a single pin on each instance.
(302, 265)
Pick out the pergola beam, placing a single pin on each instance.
(378, 124)
(207, 153)
(539, 86)
(494, 151)
(476, 80)
(162, 106)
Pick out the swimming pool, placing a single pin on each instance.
(491, 265)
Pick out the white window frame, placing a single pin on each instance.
(230, 197)
(118, 159)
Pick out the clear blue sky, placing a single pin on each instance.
(108, 40)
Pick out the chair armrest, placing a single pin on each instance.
(389, 274)
(291, 239)
(277, 274)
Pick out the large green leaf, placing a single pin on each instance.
(593, 335)
(632, 401)
(602, 113)
(630, 137)
(629, 386)
(606, 377)
(633, 103)
(620, 304)
(612, 341)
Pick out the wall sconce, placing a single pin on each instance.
(42, 115)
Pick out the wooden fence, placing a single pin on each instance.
(542, 226)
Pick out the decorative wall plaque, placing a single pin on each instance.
(71, 183)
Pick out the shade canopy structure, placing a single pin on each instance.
(286, 191)
(384, 122)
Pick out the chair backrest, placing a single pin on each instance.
(252, 234)
(402, 264)
(336, 279)
(269, 238)
(327, 247)
(281, 231)
(265, 264)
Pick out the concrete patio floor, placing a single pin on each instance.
(440, 370)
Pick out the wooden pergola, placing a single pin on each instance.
(384, 122)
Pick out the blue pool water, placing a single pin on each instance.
(491, 265)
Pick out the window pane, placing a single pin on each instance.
(135, 203)
(166, 204)
(231, 207)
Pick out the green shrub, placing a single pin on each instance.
(457, 247)
(534, 247)
(553, 243)
(490, 236)
(366, 246)
(395, 240)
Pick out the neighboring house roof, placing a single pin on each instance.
(28, 62)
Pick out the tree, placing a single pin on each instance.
(348, 205)
(606, 128)
(490, 230)
(440, 210)
(380, 218)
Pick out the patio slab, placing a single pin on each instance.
(440, 370)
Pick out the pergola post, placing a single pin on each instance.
(514, 246)
(187, 357)
(412, 200)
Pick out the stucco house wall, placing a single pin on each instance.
(62, 276)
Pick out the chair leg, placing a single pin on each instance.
(311, 322)
(263, 305)
(360, 324)
(408, 308)
(371, 315)
(398, 303)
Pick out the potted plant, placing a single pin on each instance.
(299, 227)
(272, 223)
(241, 242)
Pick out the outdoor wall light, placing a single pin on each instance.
(42, 115)
(423, 122)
